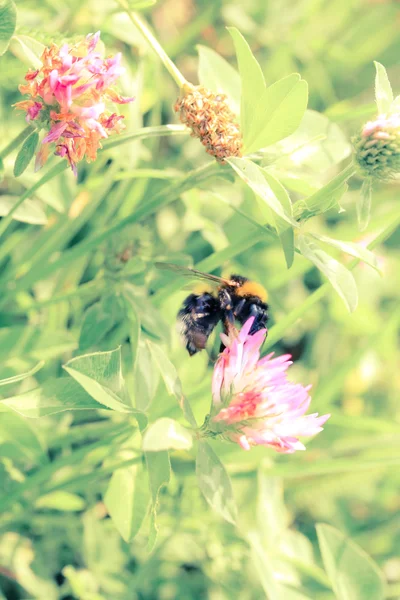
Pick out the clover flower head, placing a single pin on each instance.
(69, 95)
(211, 121)
(253, 401)
(377, 148)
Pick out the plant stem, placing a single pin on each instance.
(56, 170)
(46, 472)
(146, 132)
(153, 42)
(164, 197)
(16, 141)
(88, 478)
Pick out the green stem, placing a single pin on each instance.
(91, 288)
(16, 141)
(153, 42)
(146, 209)
(88, 478)
(145, 133)
(46, 472)
(56, 170)
(277, 332)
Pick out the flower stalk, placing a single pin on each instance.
(155, 44)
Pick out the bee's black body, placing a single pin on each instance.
(200, 313)
(237, 298)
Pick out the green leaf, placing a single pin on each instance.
(214, 482)
(351, 248)
(166, 434)
(252, 78)
(218, 75)
(159, 470)
(8, 21)
(26, 153)
(285, 231)
(127, 500)
(267, 114)
(320, 202)
(22, 376)
(353, 574)
(54, 396)
(146, 377)
(30, 211)
(1, 170)
(255, 178)
(20, 441)
(28, 50)
(98, 320)
(100, 374)
(317, 144)
(62, 501)
(340, 277)
(262, 565)
(383, 90)
(150, 319)
(278, 113)
(171, 380)
(364, 202)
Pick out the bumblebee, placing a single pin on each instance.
(224, 300)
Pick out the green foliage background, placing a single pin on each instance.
(77, 277)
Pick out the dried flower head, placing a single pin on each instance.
(377, 148)
(211, 120)
(253, 402)
(68, 97)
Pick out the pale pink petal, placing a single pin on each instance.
(259, 405)
(55, 132)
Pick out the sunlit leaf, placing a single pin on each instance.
(99, 319)
(166, 434)
(285, 231)
(262, 564)
(252, 78)
(54, 396)
(351, 248)
(26, 153)
(218, 75)
(268, 114)
(215, 483)
(353, 574)
(255, 178)
(8, 21)
(383, 90)
(30, 211)
(127, 500)
(340, 277)
(100, 374)
(20, 441)
(61, 500)
(171, 379)
(28, 50)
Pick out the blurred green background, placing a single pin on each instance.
(62, 545)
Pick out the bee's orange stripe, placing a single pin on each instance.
(252, 288)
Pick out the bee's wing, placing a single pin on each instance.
(188, 272)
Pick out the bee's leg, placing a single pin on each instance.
(239, 307)
(259, 318)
